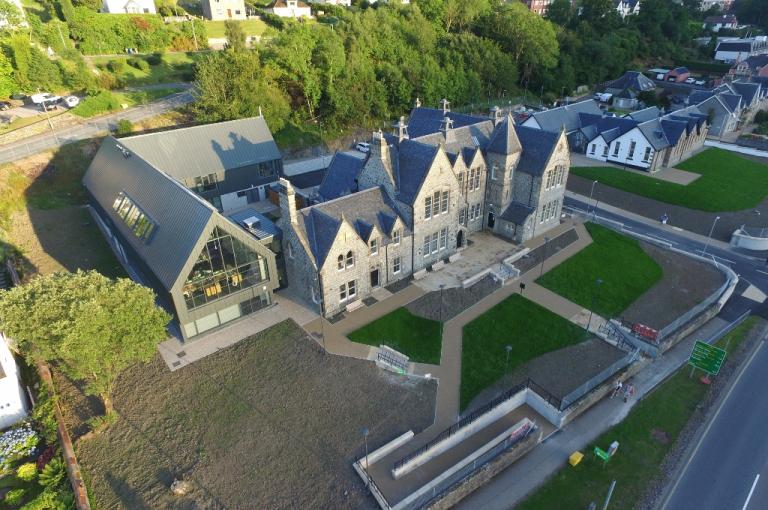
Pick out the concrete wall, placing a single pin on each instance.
(740, 239)
(543, 407)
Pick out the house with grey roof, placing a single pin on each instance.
(206, 268)
(627, 88)
(570, 118)
(416, 200)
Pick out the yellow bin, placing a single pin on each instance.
(575, 458)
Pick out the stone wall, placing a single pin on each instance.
(693, 325)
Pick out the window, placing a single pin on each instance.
(427, 208)
(444, 203)
(436, 203)
(343, 292)
(443, 238)
(494, 167)
(605, 151)
(632, 146)
(347, 290)
(425, 248)
(647, 155)
(205, 183)
(477, 179)
(350, 259)
(461, 181)
(352, 290)
(463, 216)
(433, 243)
(374, 246)
(616, 149)
(474, 212)
(396, 237)
(141, 225)
(594, 148)
(396, 265)
(340, 263)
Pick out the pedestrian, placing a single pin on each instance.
(664, 219)
(629, 391)
(616, 389)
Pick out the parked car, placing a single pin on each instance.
(700, 83)
(44, 97)
(690, 81)
(5, 106)
(363, 147)
(602, 97)
(71, 101)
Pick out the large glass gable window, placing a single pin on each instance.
(224, 266)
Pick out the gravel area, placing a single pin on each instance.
(398, 285)
(688, 219)
(686, 283)
(559, 372)
(668, 471)
(533, 258)
(271, 422)
(454, 300)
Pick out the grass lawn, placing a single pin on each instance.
(174, 67)
(107, 102)
(215, 29)
(418, 338)
(642, 445)
(529, 328)
(20, 122)
(625, 269)
(745, 180)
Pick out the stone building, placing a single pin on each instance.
(423, 191)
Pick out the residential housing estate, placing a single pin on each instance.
(418, 198)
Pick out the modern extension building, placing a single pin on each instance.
(154, 197)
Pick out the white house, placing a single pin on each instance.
(12, 400)
(627, 7)
(344, 3)
(218, 10)
(129, 7)
(735, 50)
(290, 9)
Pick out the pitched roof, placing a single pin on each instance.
(673, 129)
(646, 114)
(747, 90)
(734, 46)
(364, 210)
(654, 134)
(697, 96)
(413, 161)
(732, 101)
(426, 121)
(180, 215)
(341, 177)
(566, 116)
(210, 148)
(517, 213)
(537, 147)
(633, 80)
(504, 138)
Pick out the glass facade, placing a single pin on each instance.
(225, 266)
(227, 314)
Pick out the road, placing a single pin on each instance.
(91, 128)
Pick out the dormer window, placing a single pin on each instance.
(374, 244)
(396, 237)
(350, 259)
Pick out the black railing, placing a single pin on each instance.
(477, 413)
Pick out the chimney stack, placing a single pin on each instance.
(496, 115)
(417, 103)
(401, 129)
(445, 105)
(288, 201)
(446, 128)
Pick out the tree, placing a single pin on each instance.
(10, 14)
(7, 83)
(460, 13)
(91, 326)
(233, 31)
(560, 12)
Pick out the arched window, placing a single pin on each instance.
(350, 259)
(340, 262)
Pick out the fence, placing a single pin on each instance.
(475, 415)
(593, 382)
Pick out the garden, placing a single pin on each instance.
(746, 181)
(618, 262)
(418, 338)
(149, 69)
(105, 101)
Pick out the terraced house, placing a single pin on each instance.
(415, 201)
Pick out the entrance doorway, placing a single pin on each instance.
(374, 278)
(229, 13)
(460, 239)
(491, 220)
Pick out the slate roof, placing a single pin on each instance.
(724, 18)
(537, 146)
(412, 163)
(734, 46)
(363, 210)
(646, 114)
(180, 215)
(553, 120)
(732, 101)
(654, 134)
(504, 138)
(459, 138)
(633, 80)
(426, 121)
(747, 90)
(211, 148)
(341, 177)
(699, 96)
(517, 213)
(673, 129)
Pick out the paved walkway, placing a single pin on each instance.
(736, 148)
(665, 174)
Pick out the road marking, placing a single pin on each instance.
(711, 422)
(759, 271)
(749, 496)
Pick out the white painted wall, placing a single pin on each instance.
(129, 7)
(12, 402)
(624, 143)
(599, 149)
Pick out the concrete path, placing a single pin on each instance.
(666, 174)
(736, 148)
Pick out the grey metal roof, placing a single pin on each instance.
(566, 116)
(537, 146)
(180, 215)
(341, 177)
(517, 213)
(266, 227)
(211, 148)
(646, 114)
(734, 46)
(363, 210)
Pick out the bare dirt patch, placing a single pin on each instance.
(660, 436)
(271, 422)
(686, 283)
(559, 372)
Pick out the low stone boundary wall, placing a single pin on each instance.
(742, 239)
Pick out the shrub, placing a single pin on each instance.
(53, 474)
(44, 415)
(27, 472)
(124, 127)
(138, 63)
(17, 443)
(102, 102)
(45, 458)
(154, 59)
(117, 66)
(108, 81)
(14, 496)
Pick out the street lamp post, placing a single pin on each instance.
(365, 433)
(591, 192)
(709, 237)
(598, 283)
(508, 348)
(544, 256)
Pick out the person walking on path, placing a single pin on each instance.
(617, 388)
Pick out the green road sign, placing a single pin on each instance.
(707, 357)
(601, 454)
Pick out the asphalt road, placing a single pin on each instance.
(729, 468)
(91, 128)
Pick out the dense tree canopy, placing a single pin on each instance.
(91, 326)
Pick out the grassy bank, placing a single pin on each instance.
(418, 338)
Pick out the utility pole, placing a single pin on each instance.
(50, 124)
(610, 493)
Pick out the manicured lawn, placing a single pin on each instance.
(624, 268)
(746, 182)
(418, 338)
(215, 29)
(529, 328)
(645, 436)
